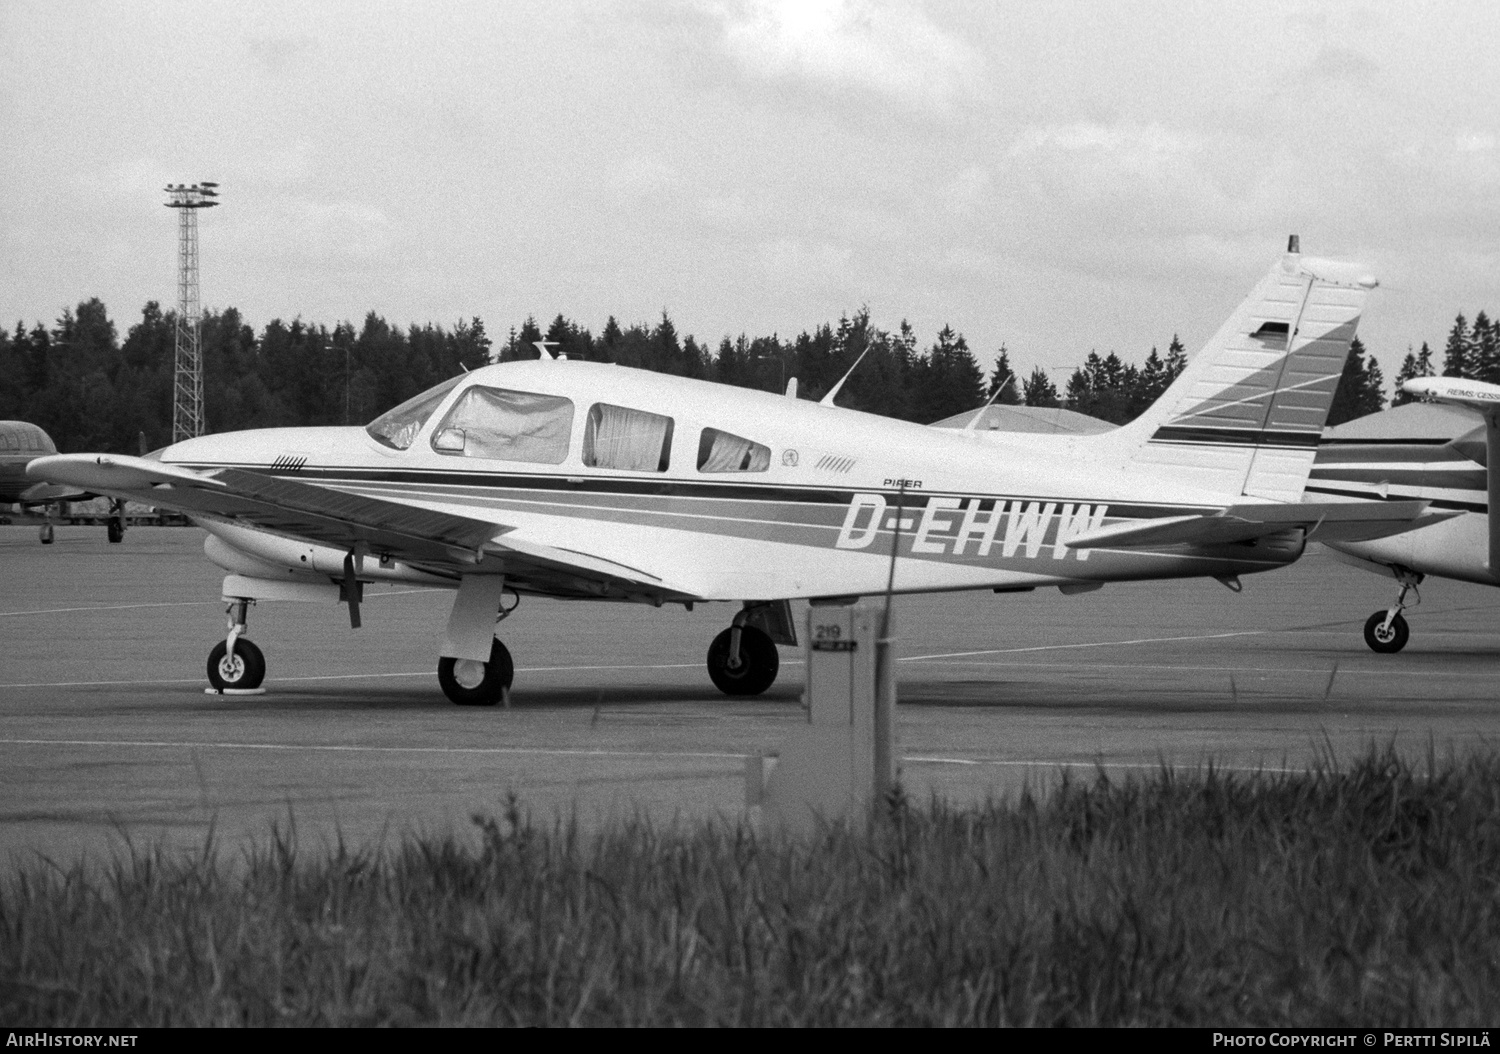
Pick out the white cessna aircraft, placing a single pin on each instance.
(591, 481)
(1446, 454)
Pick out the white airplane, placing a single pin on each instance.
(591, 481)
(1446, 454)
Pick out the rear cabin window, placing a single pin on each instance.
(507, 426)
(398, 428)
(632, 440)
(725, 452)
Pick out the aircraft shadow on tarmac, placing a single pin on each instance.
(363, 698)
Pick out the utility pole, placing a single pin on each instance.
(187, 400)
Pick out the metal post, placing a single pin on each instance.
(187, 387)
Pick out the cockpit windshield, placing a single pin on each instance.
(399, 427)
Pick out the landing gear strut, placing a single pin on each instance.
(116, 528)
(1386, 631)
(235, 663)
(742, 660)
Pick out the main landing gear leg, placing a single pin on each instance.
(235, 664)
(742, 660)
(116, 528)
(475, 668)
(1386, 631)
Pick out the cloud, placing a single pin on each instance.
(329, 231)
(1341, 64)
(878, 46)
(1088, 162)
(279, 54)
(643, 174)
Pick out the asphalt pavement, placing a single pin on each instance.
(107, 737)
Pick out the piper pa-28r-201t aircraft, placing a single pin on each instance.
(1446, 451)
(590, 481)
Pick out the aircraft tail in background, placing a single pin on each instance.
(1246, 414)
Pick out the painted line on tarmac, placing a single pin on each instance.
(1321, 672)
(714, 755)
(181, 604)
(113, 607)
(351, 748)
(361, 676)
(1095, 644)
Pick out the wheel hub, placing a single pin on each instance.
(231, 668)
(468, 673)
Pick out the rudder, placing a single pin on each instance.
(1246, 414)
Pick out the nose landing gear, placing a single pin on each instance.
(235, 664)
(1386, 631)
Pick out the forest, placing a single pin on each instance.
(91, 390)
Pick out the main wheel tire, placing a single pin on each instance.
(246, 670)
(45, 534)
(759, 663)
(1386, 641)
(470, 683)
(115, 531)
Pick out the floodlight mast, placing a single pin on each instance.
(187, 399)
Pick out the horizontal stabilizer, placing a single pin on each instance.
(1327, 521)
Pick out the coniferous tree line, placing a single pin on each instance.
(1472, 352)
(92, 390)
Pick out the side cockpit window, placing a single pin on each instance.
(621, 438)
(398, 428)
(507, 426)
(725, 452)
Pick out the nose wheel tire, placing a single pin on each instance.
(245, 670)
(45, 534)
(757, 667)
(471, 683)
(1385, 640)
(115, 532)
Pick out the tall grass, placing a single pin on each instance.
(1365, 895)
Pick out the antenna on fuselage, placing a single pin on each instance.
(827, 400)
(791, 388)
(543, 345)
(974, 421)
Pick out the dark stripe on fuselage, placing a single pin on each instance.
(1365, 495)
(1240, 437)
(678, 488)
(1441, 478)
(1416, 454)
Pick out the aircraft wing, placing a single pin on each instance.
(436, 540)
(1326, 521)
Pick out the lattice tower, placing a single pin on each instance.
(187, 399)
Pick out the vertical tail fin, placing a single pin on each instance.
(1245, 416)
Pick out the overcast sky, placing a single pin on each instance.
(1057, 176)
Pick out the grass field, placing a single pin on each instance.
(1368, 895)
